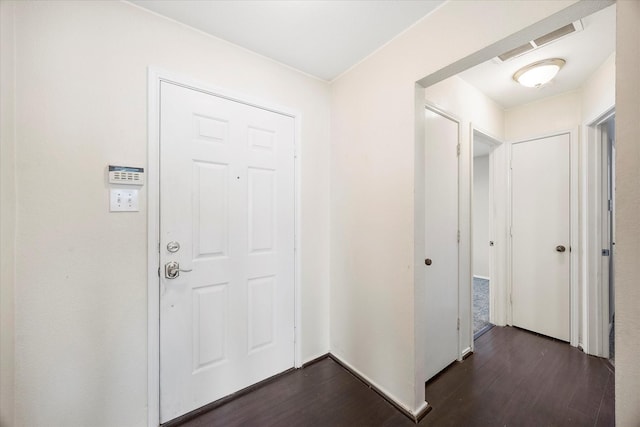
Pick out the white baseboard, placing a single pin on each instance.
(465, 353)
(418, 413)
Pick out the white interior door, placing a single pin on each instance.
(441, 241)
(541, 235)
(227, 218)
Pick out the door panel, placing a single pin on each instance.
(540, 223)
(441, 241)
(227, 197)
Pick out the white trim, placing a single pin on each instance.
(574, 250)
(439, 110)
(153, 257)
(467, 350)
(574, 294)
(297, 177)
(155, 76)
(596, 302)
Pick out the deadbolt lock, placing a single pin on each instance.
(173, 247)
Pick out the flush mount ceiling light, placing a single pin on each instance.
(539, 73)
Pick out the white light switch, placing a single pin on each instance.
(124, 200)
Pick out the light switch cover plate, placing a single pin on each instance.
(124, 200)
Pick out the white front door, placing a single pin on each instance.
(227, 218)
(541, 235)
(441, 241)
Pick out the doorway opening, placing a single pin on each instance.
(482, 234)
(529, 121)
(607, 231)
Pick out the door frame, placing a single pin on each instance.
(495, 283)
(596, 329)
(574, 217)
(155, 76)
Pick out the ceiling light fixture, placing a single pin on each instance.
(539, 73)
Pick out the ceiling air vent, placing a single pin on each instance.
(515, 52)
(541, 41)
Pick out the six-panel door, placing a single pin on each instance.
(227, 200)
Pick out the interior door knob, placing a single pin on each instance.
(560, 248)
(427, 261)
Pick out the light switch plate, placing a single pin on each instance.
(124, 200)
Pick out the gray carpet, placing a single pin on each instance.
(480, 304)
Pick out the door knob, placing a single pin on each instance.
(427, 261)
(172, 270)
(560, 248)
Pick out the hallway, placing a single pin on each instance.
(514, 378)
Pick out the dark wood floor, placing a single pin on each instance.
(517, 378)
(514, 378)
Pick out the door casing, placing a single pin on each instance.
(595, 335)
(155, 76)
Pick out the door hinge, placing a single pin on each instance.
(606, 252)
(458, 323)
(610, 205)
(458, 149)
(458, 236)
(158, 271)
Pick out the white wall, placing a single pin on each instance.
(549, 115)
(627, 266)
(81, 282)
(7, 214)
(375, 309)
(481, 211)
(599, 91)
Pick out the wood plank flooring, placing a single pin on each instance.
(517, 378)
(514, 378)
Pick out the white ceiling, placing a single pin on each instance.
(584, 51)
(321, 38)
(326, 38)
